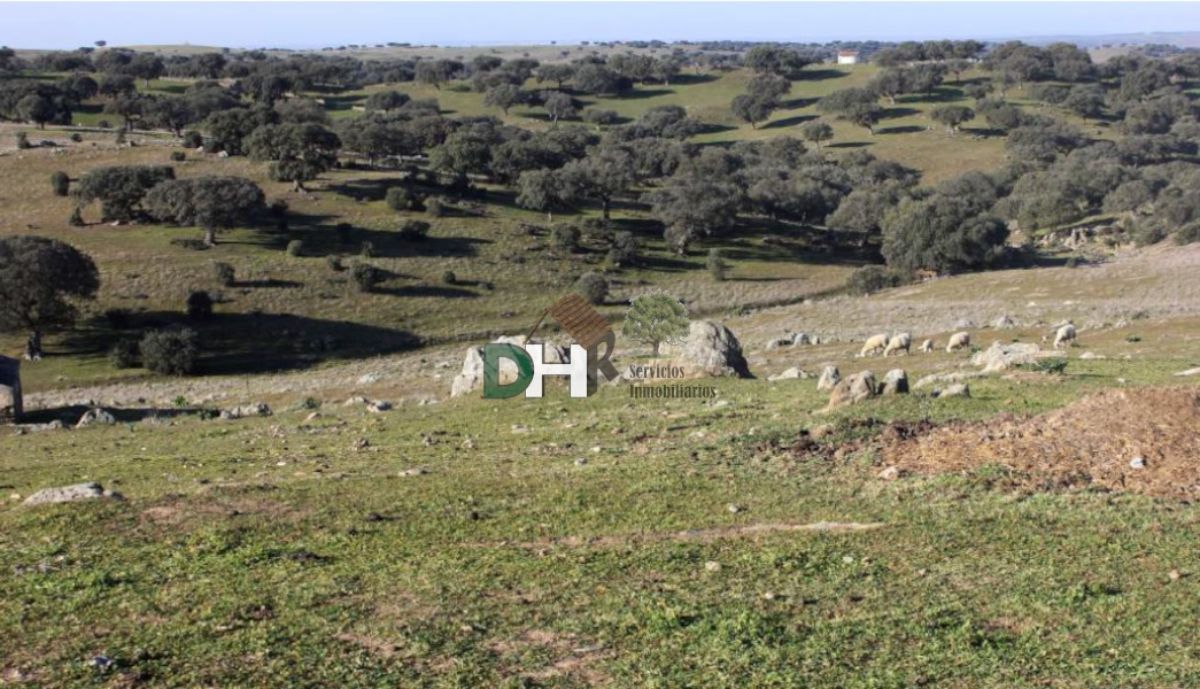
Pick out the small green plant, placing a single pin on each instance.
(1131, 339)
(170, 352)
(335, 263)
(178, 156)
(310, 403)
(718, 269)
(77, 137)
(366, 276)
(180, 401)
(23, 141)
(449, 278)
(123, 354)
(1053, 366)
(224, 274)
(76, 219)
(871, 279)
(435, 207)
(565, 237)
(366, 250)
(60, 183)
(295, 247)
(401, 199)
(593, 287)
(193, 139)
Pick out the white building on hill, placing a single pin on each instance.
(847, 57)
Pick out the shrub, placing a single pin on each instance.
(199, 305)
(334, 263)
(76, 219)
(104, 124)
(871, 279)
(224, 273)
(598, 117)
(366, 250)
(1188, 234)
(565, 237)
(436, 208)
(449, 277)
(170, 352)
(77, 137)
(61, 183)
(178, 156)
(414, 230)
(624, 249)
(193, 139)
(366, 276)
(401, 199)
(23, 141)
(716, 265)
(123, 354)
(593, 287)
(295, 247)
(1055, 366)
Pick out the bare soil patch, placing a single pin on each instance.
(1144, 441)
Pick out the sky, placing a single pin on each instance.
(301, 25)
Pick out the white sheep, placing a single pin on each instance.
(898, 342)
(958, 341)
(927, 346)
(874, 344)
(1065, 335)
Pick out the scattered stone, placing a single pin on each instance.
(1174, 575)
(520, 428)
(1002, 356)
(1137, 463)
(246, 411)
(853, 389)
(890, 473)
(953, 390)
(895, 382)
(580, 461)
(711, 349)
(312, 417)
(1190, 372)
(72, 493)
(361, 444)
(792, 373)
(468, 444)
(733, 509)
(712, 566)
(829, 378)
(379, 406)
(1092, 355)
(1004, 322)
(368, 378)
(416, 471)
(822, 431)
(96, 417)
(355, 401)
(101, 662)
(779, 343)
(10, 389)
(801, 339)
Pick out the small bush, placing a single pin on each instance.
(76, 219)
(624, 250)
(23, 141)
(436, 208)
(366, 250)
(104, 124)
(123, 354)
(718, 269)
(565, 237)
(193, 244)
(1132, 339)
(449, 277)
(871, 279)
(199, 305)
(401, 199)
(170, 352)
(593, 287)
(60, 183)
(295, 247)
(193, 139)
(178, 156)
(598, 117)
(414, 230)
(1055, 366)
(224, 274)
(334, 263)
(1188, 234)
(77, 137)
(366, 276)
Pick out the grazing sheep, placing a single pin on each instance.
(927, 346)
(874, 344)
(1065, 335)
(958, 341)
(900, 341)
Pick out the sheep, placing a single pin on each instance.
(898, 342)
(874, 344)
(927, 346)
(1065, 335)
(958, 341)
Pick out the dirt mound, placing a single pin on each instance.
(1143, 441)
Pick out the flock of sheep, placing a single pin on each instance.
(894, 344)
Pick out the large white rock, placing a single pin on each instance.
(1002, 356)
(470, 377)
(710, 349)
(72, 493)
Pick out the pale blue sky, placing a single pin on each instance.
(317, 24)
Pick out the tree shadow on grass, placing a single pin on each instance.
(437, 291)
(788, 122)
(69, 415)
(241, 343)
(904, 129)
(819, 74)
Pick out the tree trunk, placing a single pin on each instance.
(604, 206)
(656, 344)
(33, 346)
(210, 236)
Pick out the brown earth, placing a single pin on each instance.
(1094, 442)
